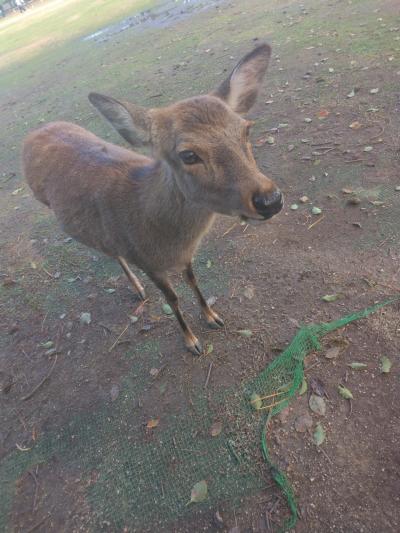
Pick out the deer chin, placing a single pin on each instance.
(251, 220)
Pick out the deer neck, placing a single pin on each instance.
(166, 206)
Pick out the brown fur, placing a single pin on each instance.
(153, 212)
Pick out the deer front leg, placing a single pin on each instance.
(163, 283)
(132, 278)
(213, 320)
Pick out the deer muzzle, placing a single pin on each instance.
(268, 204)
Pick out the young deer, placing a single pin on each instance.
(153, 212)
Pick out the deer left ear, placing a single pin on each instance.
(241, 88)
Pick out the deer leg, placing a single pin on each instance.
(191, 341)
(132, 278)
(213, 320)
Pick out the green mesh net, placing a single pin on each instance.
(142, 482)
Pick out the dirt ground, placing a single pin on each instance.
(327, 128)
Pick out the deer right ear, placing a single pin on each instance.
(241, 87)
(131, 121)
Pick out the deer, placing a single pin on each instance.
(153, 211)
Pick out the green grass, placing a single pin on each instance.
(55, 23)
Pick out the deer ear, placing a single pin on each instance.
(241, 88)
(131, 121)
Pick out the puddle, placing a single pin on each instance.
(161, 16)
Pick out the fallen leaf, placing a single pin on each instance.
(114, 392)
(208, 264)
(167, 310)
(368, 149)
(152, 423)
(85, 318)
(323, 114)
(317, 387)
(290, 147)
(209, 349)
(216, 429)
(308, 119)
(319, 435)
(330, 297)
(245, 332)
(303, 388)
(294, 207)
(256, 401)
(332, 352)
(249, 292)
(385, 365)
(304, 199)
(355, 125)
(17, 191)
(347, 191)
(351, 94)
(357, 366)
(199, 492)
(374, 91)
(303, 423)
(317, 404)
(346, 393)
(316, 210)
(211, 300)
(154, 372)
(47, 344)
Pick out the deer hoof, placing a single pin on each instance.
(214, 321)
(194, 346)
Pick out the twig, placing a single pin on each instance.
(36, 526)
(351, 407)
(354, 160)
(44, 320)
(34, 477)
(42, 382)
(119, 336)
(326, 455)
(48, 273)
(230, 229)
(316, 222)
(208, 375)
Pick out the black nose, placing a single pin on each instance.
(268, 205)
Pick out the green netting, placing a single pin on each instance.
(142, 481)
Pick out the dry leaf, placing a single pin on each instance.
(323, 113)
(152, 423)
(317, 404)
(216, 429)
(346, 393)
(355, 125)
(303, 423)
(332, 352)
(319, 435)
(386, 365)
(199, 492)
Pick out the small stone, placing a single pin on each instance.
(304, 199)
(316, 210)
(397, 188)
(308, 119)
(294, 207)
(290, 147)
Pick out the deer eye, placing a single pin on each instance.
(189, 157)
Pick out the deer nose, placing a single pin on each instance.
(268, 205)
